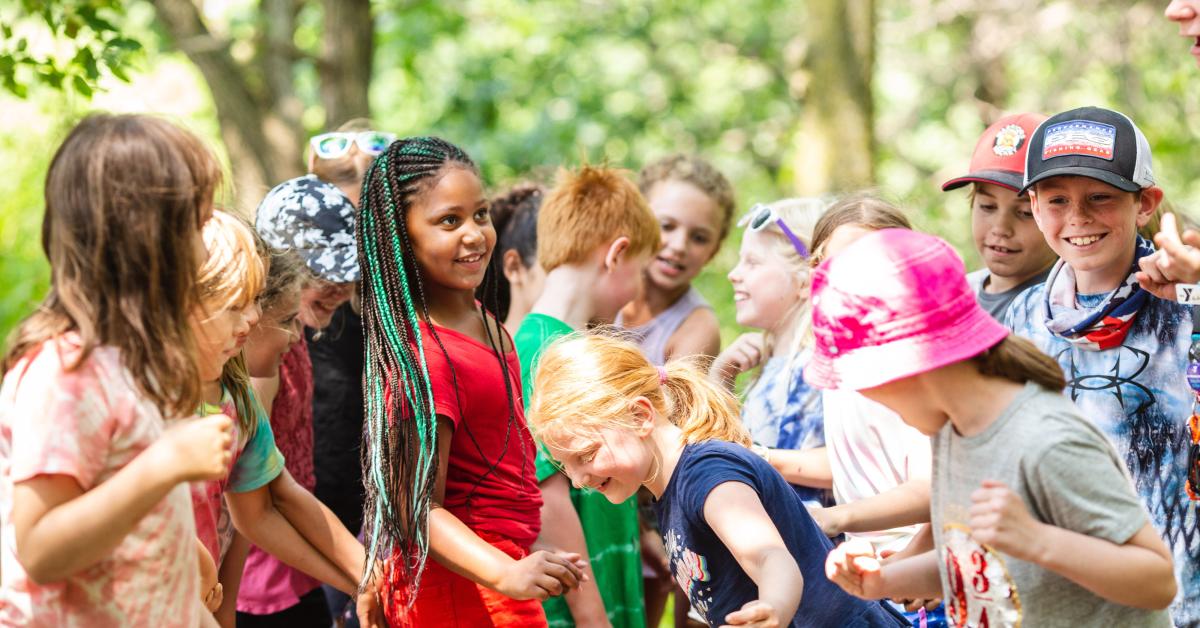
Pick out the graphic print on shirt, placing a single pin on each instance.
(691, 573)
(979, 591)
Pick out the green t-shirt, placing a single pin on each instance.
(611, 529)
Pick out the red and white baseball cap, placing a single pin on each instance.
(999, 156)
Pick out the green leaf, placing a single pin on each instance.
(81, 85)
(124, 43)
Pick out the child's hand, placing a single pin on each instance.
(855, 567)
(542, 575)
(211, 591)
(1000, 520)
(198, 449)
(1176, 261)
(368, 609)
(740, 356)
(756, 614)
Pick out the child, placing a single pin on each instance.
(450, 460)
(770, 292)
(316, 219)
(97, 526)
(1014, 253)
(1123, 351)
(694, 205)
(1187, 14)
(1034, 520)
(596, 234)
(519, 284)
(739, 539)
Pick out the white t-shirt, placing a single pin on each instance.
(871, 450)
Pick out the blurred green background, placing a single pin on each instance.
(785, 97)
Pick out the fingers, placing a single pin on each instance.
(573, 564)
(549, 585)
(754, 613)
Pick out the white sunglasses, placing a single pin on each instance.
(337, 144)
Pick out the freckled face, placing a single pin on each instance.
(615, 462)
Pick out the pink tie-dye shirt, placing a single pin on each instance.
(87, 424)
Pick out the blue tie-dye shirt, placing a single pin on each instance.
(1138, 395)
(782, 411)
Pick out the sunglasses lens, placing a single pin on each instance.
(330, 146)
(374, 143)
(760, 218)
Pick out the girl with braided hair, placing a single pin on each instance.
(448, 459)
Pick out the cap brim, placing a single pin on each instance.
(1110, 178)
(335, 264)
(1006, 178)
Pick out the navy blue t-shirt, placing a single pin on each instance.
(712, 577)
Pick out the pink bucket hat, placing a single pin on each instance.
(892, 305)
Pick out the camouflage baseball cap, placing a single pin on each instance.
(316, 220)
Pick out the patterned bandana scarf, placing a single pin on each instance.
(1104, 326)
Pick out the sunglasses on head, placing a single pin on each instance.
(762, 216)
(337, 144)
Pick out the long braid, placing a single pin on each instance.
(400, 449)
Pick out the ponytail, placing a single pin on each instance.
(586, 381)
(1019, 360)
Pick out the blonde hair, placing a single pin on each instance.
(585, 383)
(232, 277)
(590, 207)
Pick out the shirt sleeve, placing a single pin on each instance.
(64, 421)
(1078, 483)
(260, 460)
(709, 469)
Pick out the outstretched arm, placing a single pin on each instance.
(903, 505)
(318, 525)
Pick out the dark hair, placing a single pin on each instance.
(400, 458)
(514, 214)
(125, 198)
(862, 210)
(1017, 359)
(698, 172)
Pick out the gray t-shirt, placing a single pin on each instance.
(1069, 476)
(997, 304)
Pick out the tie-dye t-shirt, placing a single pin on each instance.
(782, 411)
(88, 423)
(1138, 395)
(255, 461)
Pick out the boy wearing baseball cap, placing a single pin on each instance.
(1123, 351)
(1013, 251)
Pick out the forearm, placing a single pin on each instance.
(912, 578)
(231, 579)
(904, 505)
(1125, 574)
(460, 550)
(780, 583)
(85, 526)
(806, 467)
(272, 532)
(562, 530)
(318, 525)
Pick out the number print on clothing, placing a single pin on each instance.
(979, 591)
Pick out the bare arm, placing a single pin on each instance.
(562, 530)
(698, 334)
(806, 467)
(318, 525)
(230, 575)
(856, 568)
(61, 529)
(255, 516)
(735, 513)
(904, 505)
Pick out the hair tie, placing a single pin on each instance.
(662, 375)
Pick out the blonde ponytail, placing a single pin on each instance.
(586, 382)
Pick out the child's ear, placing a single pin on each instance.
(1151, 198)
(312, 160)
(643, 414)
(615, 250)
(511, 266)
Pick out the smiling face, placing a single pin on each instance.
(319, 301)
(1006, 235)
(451, 230)
(690, 221)
(1186, 13)
(766, 290)
(220, 336)
(614, 461)
(1092, 226)
(277, 331)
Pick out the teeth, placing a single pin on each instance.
(1084, 241)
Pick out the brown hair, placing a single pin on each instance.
(590, 207)
(125, 198)
(349, 169)
(1017, 359)
(286, 273)
(862, 210)
(699, 173)
(585, 382)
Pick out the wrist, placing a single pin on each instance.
(161, 462)
(1042, 542)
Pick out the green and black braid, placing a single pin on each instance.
(400, 445)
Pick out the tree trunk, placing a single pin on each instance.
(345, 69)
(835, 141)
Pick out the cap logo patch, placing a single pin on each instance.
(1008, 141)
(1080, 137)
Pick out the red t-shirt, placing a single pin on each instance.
(490, 481)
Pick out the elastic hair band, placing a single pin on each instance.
(662, 375)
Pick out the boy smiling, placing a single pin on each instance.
(1123, 351)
